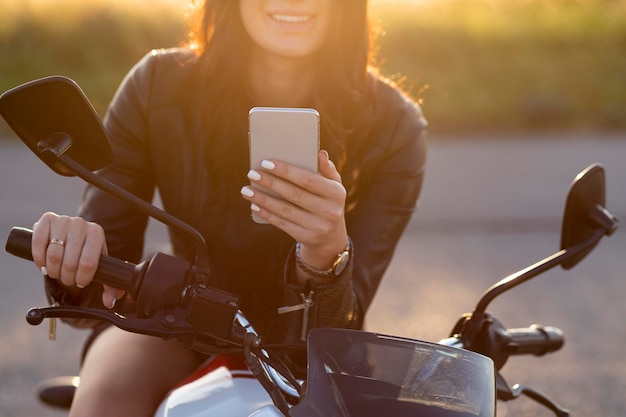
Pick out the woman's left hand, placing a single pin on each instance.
(311, 210)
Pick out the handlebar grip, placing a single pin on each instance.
(111, 271)
(18, 243)
(535, 340)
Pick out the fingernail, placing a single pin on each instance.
(113, 304)
(80, 286)
(269, 165)
(253, 175)
(254, 207)
(44, 270)
(325, 154)
(247, 191)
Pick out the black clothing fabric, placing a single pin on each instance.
(156, 127)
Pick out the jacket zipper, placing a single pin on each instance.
(307, 303)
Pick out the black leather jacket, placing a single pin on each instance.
(151, 123)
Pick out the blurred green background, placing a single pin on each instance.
(477, 66)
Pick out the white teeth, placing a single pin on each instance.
(291, 19)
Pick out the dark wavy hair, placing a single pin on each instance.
(223, 46)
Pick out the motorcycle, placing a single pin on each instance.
(349, 372)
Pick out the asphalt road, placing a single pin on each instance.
(490, 206)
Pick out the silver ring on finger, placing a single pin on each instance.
(54, 241)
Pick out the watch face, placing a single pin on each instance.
(341, 263)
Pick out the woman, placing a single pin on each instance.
(178, 124)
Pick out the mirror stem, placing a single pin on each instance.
(474, 324)
(202, 258)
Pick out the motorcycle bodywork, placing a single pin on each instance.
(218, 389)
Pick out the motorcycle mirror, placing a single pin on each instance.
(43, 110)
(54, 118)
(585, 222)
(586, 193)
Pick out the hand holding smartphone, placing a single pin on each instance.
(286, 134)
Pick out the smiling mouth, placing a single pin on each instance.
(291, 18)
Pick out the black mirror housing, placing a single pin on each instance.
(586, 194)
(56, 106)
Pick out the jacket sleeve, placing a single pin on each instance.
(389, 201)
(393, 174)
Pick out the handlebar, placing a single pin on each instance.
(535, 340)
(499, 342)
(111, 271)
(163, 288)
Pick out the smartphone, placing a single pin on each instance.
(286, 134)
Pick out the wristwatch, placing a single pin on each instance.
(337, 267)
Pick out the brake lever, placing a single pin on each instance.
(161, 324)
(543, 400)
(167, 324)
(504, 392)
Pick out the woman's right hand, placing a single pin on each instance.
(69, 249)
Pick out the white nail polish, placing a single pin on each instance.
(254, 207)
(44, 270)
(254, 175)
(80, 286)
(247, 191)
(113, 303)
(269, 165)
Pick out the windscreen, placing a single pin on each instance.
(356, 373)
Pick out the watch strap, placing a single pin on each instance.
(324, 273)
